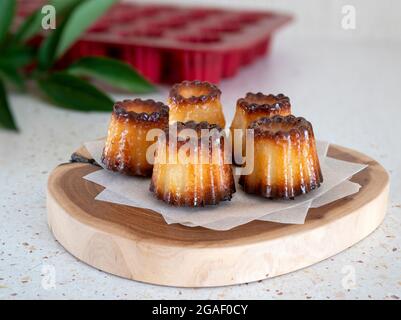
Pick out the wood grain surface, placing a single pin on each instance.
(137, 244)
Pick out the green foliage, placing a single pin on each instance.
(79, 21)
(71, 92)
(7, 11)
(6, 117)
(113, 72)
(69, 88)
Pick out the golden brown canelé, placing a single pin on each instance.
(196, 101)
(251, 108)
(285, 162)
(192, 177)
(126, 146)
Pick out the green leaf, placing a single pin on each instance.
(81, 18)
(113, 72)
(6, 117)
(69, 30)
(64, 6)
(74, 93)
(31, 26)
(17, 56)
(12, 75)
(7, 11)
(46, 54)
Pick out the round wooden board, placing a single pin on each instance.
(137, 244)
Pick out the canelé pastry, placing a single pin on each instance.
(126, 145)
(253, 107)
(285, 160)
(192, 177)
(196, 101)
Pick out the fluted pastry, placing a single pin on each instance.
(126, 146)
(251, 108)
(285, 158)
(192, 179)
(196, 101)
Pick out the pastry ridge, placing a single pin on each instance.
(268, 104)
(251, 108)
(196, 101)
(285, 161)
(180, 182)
(126, 146)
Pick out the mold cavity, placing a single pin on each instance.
(173, 23)
(153, 11)
(249, 18)
(151, 33)
(100, 25)
(99, 28)
(199, 14)
(226, 27)
(200, 39)
(126, 16)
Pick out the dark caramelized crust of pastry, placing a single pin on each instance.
(279, 127)
(268, 104)
(197, 126)
(194, 92)
(213, 134)
(285, 158)
(251, 108)
(180, 181)
(144, 111)
(191, 125)
(126, 146)
(197, 101)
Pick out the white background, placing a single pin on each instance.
(346, 82)
(377, 20)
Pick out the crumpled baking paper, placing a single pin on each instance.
(243, 208)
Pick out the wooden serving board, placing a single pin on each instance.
(137, 244)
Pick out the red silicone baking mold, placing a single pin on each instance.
(170, 43)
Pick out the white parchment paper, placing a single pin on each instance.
(243, 208)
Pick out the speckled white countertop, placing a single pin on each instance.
(349, 91)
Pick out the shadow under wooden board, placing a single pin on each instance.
(137, 244)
